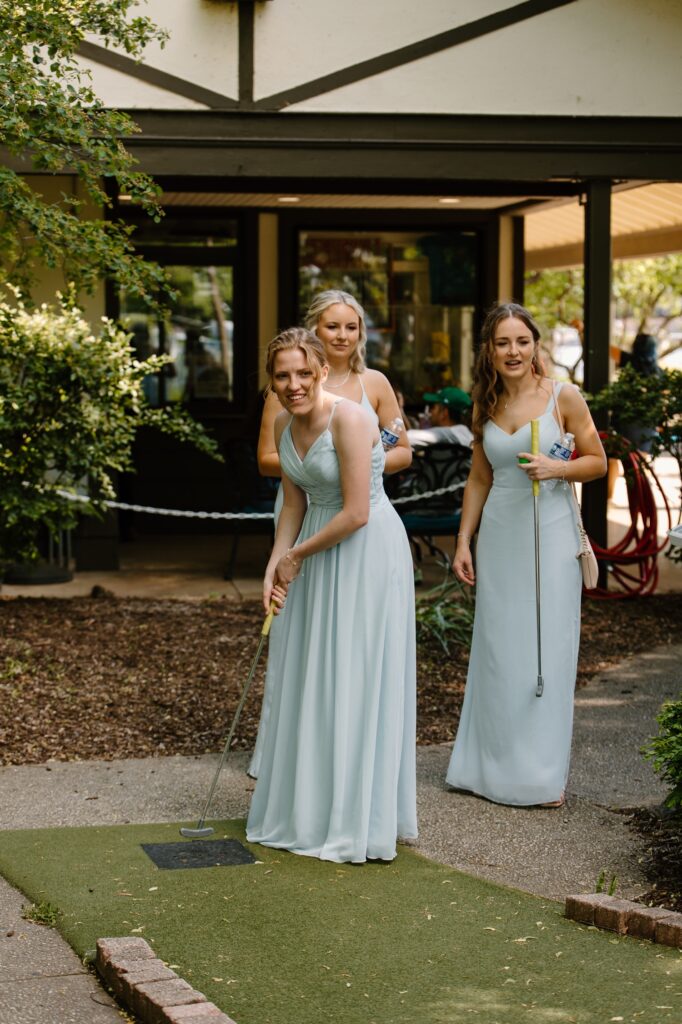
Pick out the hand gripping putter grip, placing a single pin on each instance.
(202, 831)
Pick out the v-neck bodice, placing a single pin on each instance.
(501, 449)
(317, 472)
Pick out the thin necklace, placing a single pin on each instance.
(334, 386)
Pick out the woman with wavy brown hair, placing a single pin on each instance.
(513, 747)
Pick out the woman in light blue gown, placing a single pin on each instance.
(337, 775)
(511, 746)
(338, 320)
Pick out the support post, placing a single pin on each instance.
(597, 335)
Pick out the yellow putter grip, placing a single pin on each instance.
(535, 449)
(268, 620)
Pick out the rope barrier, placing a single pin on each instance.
(188, 514)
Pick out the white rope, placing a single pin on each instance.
(187, 514)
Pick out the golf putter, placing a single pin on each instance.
(202, 831)
(535, 448)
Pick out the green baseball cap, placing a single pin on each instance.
(455, 398)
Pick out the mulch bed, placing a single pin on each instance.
(104, 678)
(662, 831)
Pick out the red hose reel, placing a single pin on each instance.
(632, 562)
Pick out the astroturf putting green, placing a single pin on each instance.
(292, 940)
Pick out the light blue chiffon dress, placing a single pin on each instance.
(254, 765)
(513, 747)
(337, 775)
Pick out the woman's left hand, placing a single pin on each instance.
(287, 569)
(540, 467)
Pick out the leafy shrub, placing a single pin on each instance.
(665, 750)
(71, 402)
(446, 614)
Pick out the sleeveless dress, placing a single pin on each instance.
(337, 776)
(254, 766)
(513, 747)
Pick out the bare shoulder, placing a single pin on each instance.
(350, 417)
(571, 398)
(376, 382)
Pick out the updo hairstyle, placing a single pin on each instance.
(297, 337)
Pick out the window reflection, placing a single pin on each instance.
(419, 291)
(196, 331)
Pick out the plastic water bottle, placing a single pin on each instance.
(390, 435)
(561, 449)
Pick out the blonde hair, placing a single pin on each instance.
(332, 297)
(296, 337)
(487, 386)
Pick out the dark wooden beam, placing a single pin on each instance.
(519, 258)
(597, 334)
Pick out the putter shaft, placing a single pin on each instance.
(201, 830)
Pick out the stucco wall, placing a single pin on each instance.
(590, 57)
(203, 48)
(593, 57)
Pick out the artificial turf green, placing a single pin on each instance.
(292, 940)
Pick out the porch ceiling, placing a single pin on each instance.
(274, 200)
(645, 221)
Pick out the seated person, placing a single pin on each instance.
(449, 408)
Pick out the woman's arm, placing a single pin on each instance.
(289, 522)
(354, 435)
(387, 409)
(268, 456)
(478, 485)
(591, 461)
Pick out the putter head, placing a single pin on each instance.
(539, 688)
(197, 833)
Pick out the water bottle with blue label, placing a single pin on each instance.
(390, 435)
(561, 449)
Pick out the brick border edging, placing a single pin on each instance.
(150, 990)
(626, 918)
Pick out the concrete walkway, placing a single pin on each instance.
(547, 852)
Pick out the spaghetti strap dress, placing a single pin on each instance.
(254, 765)
(337, 775)
(511, 746)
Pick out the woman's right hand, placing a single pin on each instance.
(273, 593)
(463, 564)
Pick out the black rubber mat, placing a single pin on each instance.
(199, 853)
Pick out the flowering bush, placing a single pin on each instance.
(71, 402)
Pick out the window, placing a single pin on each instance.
(419, 290)
(197, 326)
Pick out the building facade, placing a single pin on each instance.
(399, 151)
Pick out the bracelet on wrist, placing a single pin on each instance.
(294, 561)
(466, 536)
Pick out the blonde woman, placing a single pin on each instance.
(338, 320)
(337, 777)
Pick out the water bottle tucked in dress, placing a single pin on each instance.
(390, 435)
(561, 449)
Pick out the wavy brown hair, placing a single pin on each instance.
(487, 386)
(296, 337)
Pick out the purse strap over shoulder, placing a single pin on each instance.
(574, 494)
